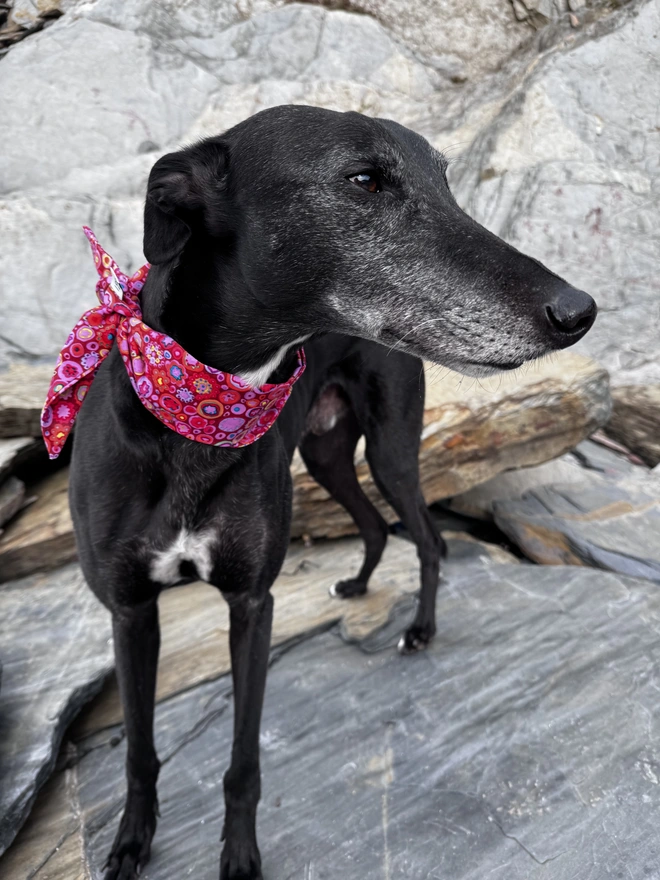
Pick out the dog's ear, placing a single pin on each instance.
(182, 188)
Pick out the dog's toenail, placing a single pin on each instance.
(333, 591)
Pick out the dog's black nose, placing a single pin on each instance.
(571, 311)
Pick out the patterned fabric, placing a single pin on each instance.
(198, 402)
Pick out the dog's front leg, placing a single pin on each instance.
(137, 641)
(249, 640)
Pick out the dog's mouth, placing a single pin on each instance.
(410, 345)
(499, 366)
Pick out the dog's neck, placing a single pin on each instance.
(211, 310)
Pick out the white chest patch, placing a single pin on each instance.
(256, 378)
(188, 546)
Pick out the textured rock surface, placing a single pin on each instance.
(78, 138)
(569, 171)
(522, 745)
(44, 617)
(588, 464)
(56, 650)
(459, 40)
(610, 525)
(41, 537)
(476, 430)
(23, 390)
(170, 73)
(635, 420)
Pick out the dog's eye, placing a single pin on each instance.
(367, 181)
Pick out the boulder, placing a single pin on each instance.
(23, 389)
(612, 525)
(55, 639)
(473, 431)
(526, 730)
(176, 72)
(635, 420)
(568, 170)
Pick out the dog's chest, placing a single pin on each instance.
(190, 553)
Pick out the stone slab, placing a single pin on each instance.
(523, 745)
(55, 644)
(609, 525)
(23, 389)
(40, 537)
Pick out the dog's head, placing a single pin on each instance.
(313, 220)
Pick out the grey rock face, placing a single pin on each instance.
(522, 745)
(79, 137)
(569, 171)
(56, 650)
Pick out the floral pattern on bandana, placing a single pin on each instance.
(198, 402)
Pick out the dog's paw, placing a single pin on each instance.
(240, 860)
(348, 589)
(415, 639)
(132, 847)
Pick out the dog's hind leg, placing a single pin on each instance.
(392, 452)
(250, 623)
(329, 459)
(137, 641)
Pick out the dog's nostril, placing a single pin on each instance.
(571, 312)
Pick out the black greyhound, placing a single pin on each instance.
(298, 224)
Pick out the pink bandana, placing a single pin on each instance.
(196, 401)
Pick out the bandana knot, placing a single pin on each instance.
(198, 402)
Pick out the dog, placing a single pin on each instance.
(298, 227)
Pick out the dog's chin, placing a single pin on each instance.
(474, 368)
(478, 369)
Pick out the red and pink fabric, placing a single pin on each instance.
(198, 402)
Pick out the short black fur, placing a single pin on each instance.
(259, 239)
